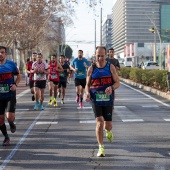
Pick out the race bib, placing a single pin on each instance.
(32, 78)
(80, 73)
(54, 76)
(4, 88)
(102, 96)
(39, 76)
(62, 75)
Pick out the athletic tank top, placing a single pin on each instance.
(29, 67)
(7, 72)
(101, 78)
(53, 75)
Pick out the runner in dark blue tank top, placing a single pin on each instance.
(101, 82)
(8, 70)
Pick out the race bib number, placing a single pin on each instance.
(102, 96)
(4, 88)
(80, 73)
(62, 75)
(54, 76)
(39, 76)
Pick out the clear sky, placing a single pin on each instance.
(82, 34)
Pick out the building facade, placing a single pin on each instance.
(107, 32)
(133, 21)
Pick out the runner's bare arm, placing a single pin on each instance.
(115, 77)
(59, 68)
(87, 87)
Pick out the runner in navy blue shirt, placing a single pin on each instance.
(63, 78)
(8, 85)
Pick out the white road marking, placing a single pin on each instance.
(88, 121)
(167, 120)
(132, 120)
(84, 107)
(48, 108)
(151, 106)
(45, 123)
(146, 95)
(22, 93)
(12, 153)
(21, 109)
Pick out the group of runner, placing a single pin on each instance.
(54, 74)
(99, 81)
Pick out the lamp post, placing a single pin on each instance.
(160, 41)
(101, 27)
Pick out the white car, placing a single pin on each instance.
(150, 65)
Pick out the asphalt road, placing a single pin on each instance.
(64, 137)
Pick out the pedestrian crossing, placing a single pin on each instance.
(120, 113)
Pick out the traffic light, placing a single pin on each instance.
(153, 30)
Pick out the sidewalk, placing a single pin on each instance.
(21, 86)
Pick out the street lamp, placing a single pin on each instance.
(156, 29)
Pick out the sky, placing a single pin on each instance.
(82, 34)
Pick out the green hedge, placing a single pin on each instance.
(152, 78)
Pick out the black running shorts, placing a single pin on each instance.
(80, 82)
(9, 105)
(40, 84)
(105, 111)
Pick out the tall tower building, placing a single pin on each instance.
(133, 21)
(107, 32)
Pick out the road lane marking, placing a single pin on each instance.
(151, 106)
(45, 123)
(12, 153)
(21, 109)
(146, 95)
(85, 107)
(132, 120)
(87, 121)
(167, 120)
(22, 93)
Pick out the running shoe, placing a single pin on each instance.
(6, 141)
(36, 106)
(59, 94)
(55, 104)
(12, 127)
(41, 107)
(109, 136)
(62, 101)
(81, 104)
(33, 98)
(77, 99)
(101, 152)
(50, 102)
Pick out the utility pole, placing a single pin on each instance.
(154, 56)
(101, 28)
(94, 35)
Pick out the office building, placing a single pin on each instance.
(133, 21)
(107, 32)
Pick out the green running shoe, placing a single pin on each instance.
(109, 136)
(101, 152)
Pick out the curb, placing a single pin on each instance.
(146, 88)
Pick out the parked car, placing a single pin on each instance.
(128, 62)
(150, 65)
